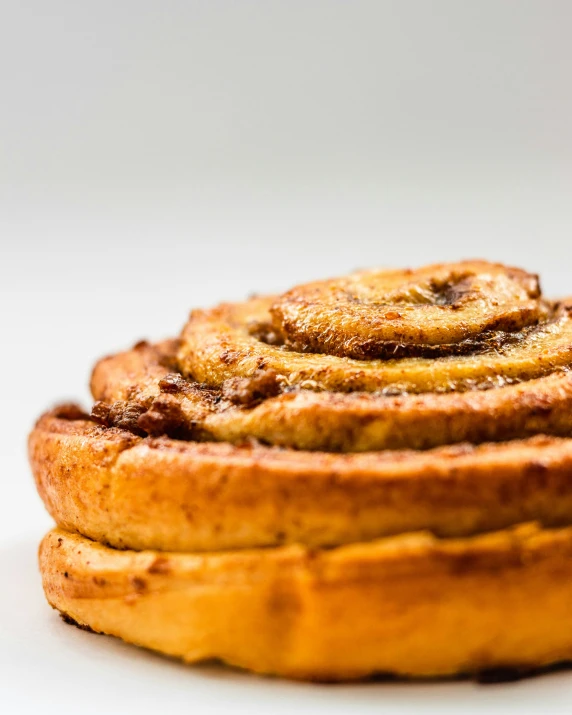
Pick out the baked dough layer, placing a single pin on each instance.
(223, 342)
(441, 309)
(141, 382)
(141, 493)
(412, 605)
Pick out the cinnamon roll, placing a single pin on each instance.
(370, 474)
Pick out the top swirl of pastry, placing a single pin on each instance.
(433, 311)
(449, 370)
(394, 339)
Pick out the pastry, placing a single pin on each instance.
(364, 475)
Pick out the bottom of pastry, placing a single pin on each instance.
(411, 606)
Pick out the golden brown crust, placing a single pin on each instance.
(185, 496)
(135, 383)
(435, 310)
(411, 605)
(217, 344)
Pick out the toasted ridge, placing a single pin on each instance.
(139, 493)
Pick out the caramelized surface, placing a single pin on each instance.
(437, 310)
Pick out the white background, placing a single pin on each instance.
(156, 156)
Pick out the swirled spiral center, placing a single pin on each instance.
(437, 310)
